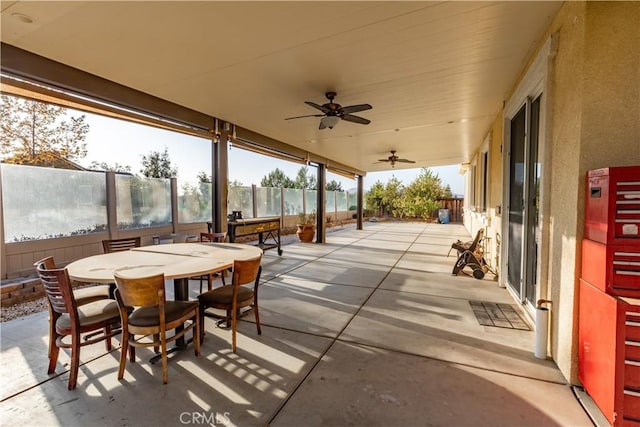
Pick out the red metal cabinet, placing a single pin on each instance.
(614, 269)
(609, 339)
(609, 319)
(612, 214)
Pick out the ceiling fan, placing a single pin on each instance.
(332, 112)
(393, 159)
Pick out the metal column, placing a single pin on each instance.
(359, 202)
(321, 194)
(220, 175)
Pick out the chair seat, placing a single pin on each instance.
(224, 295)
(90, 294)
(148, 316)
(92, 313)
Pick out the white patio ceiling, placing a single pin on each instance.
(436, 73)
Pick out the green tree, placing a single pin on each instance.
(333, 185)
(391, 197)
(36, 133)
(447, 192)
(276, 179)
(373, 197)
(203, 178)
(158, 165)
(104, 166)
(419, 199)
(304, 179)
(385, 198)
(205, 186)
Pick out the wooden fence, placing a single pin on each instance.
(455, 208)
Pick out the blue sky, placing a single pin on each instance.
(116, 141)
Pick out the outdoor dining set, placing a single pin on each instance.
(128, 296)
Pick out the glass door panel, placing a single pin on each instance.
(516, 200)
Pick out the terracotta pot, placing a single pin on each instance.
(306, 232)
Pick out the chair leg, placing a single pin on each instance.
(107, 342)
(123, 353)
(52, 339)
(197, 333)
(201, 315)
(75, 361)
(53, 318)
(257, 315)
(156, 338)
(234, 319)
(53, 354)
(165, 368)
(132, 349)
(210, 281)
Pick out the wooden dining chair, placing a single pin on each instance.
(145, 311)
(235, 296)
(82, 296)
(209, 238)
(68, 318)
(118, 245)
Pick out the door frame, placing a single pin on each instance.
(535, 82)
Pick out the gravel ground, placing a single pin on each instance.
(23, 309)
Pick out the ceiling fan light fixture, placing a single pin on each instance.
(330, 121)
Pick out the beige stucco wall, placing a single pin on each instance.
(495, 191)
(593, 120)
(566, 100)
(595, 123)
(611, 73)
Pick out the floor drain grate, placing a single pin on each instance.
(498, 315)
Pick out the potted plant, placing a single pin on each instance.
(306, 227)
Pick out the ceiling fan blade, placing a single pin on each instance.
(318, 107)
(355, 119)
(405, 161)
(308, 115)
(383, 160)
(355, 108)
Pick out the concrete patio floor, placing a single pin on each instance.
(368, 329)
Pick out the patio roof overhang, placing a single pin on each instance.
(435, 73)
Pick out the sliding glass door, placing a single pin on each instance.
(523, 201)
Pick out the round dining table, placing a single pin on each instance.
(177, 261)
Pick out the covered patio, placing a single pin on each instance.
(370, 328)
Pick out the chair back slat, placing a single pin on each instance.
(477, 240)
(247, 272)
(57, 286)
(213, 237)
(141, 291)
(118, 245)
